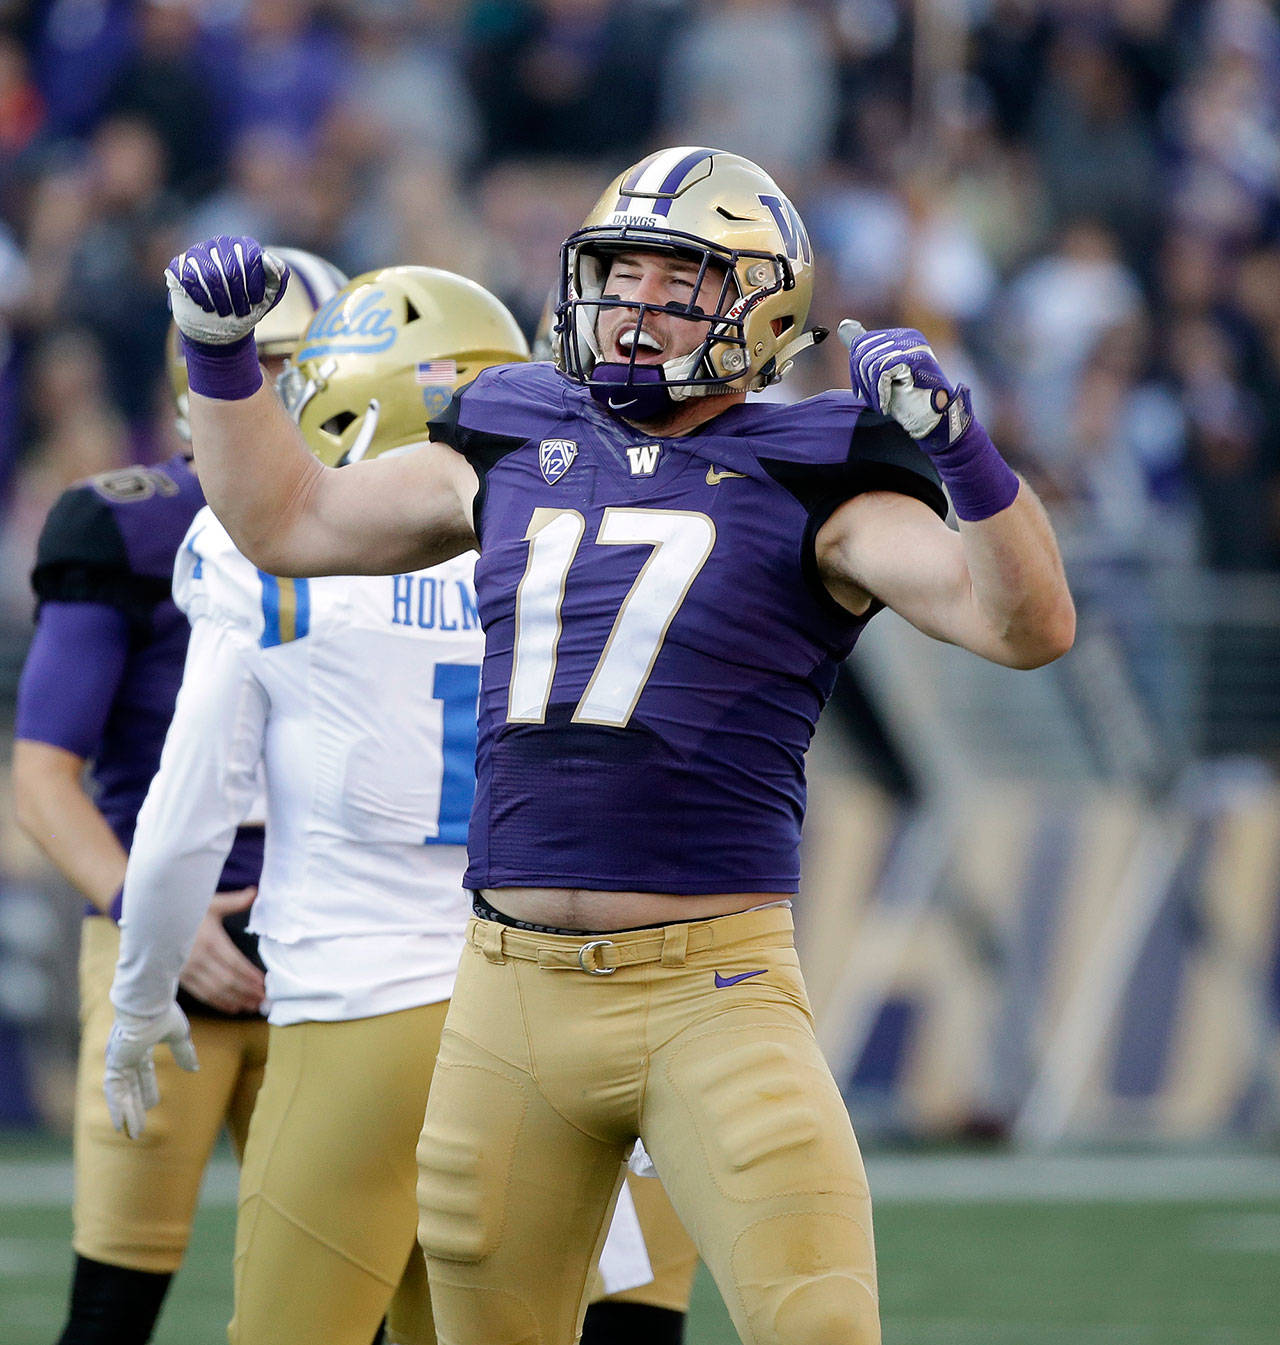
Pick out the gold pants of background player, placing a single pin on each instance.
(546, 1074)
(135, 1199)
(325, 1235)
(325, 1241)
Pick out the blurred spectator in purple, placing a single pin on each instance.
(1095, 149)
(757, 77)
(568, 77)
(404, 86)
(119, 258)
(80, 46)
(1234, 465)
(1127, 476)
(161, 83)
(1225, 127)
(264, 193)
(273, 63)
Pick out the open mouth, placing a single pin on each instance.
(647, 348)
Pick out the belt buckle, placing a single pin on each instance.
(594, 970)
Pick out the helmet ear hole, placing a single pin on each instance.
(411, 314)
(337, 423)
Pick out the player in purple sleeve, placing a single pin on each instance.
(669, 576)
(98, 690)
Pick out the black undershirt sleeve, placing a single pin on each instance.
(882, 456)
(481, 448)
(81, 557)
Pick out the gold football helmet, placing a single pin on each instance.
(384, 356)
(714, 208)
(312, 282)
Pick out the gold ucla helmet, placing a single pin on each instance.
(717, 209)
(384, 355)
(312, 282)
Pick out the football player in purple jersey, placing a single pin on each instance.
(669, 577)
(98, 689)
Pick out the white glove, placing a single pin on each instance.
(130, 1080)
(219, 290)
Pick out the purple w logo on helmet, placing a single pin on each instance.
(794, 238)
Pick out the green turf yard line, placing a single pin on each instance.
(1072, 1178)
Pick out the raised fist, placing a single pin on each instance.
(898, 374)
(221, 288)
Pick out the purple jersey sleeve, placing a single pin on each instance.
(72, 674)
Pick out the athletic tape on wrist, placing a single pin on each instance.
(977, 478)
(228, 373)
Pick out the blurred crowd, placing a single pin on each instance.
(1078, 201)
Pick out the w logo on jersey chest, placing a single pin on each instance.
(555, 457)
(643, 458)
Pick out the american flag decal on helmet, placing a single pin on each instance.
(435, 371)
(660, 176)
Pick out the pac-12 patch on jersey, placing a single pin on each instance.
(555, 457)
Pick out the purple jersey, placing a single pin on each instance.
(108, 548)
(658, 642)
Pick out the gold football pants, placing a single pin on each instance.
(135, 1199)
(325, 1236)
(558, 1051)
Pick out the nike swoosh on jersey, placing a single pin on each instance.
(722, 981)
(714, 477)
(621, 406)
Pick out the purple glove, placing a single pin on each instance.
(218, 291)
(897, 373)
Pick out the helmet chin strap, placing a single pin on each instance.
(638, 392)
(786, 357)
(653, 389)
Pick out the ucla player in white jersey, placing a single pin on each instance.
(359, 696)
(360, 910)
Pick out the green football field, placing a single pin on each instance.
(974, 1250)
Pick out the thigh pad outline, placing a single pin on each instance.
(462, 1192)
(761, 1096)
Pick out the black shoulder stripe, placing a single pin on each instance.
(882, 456)
(136, 595)
(878, 442)
(481, 448)
(82, 529)
(444, 428)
